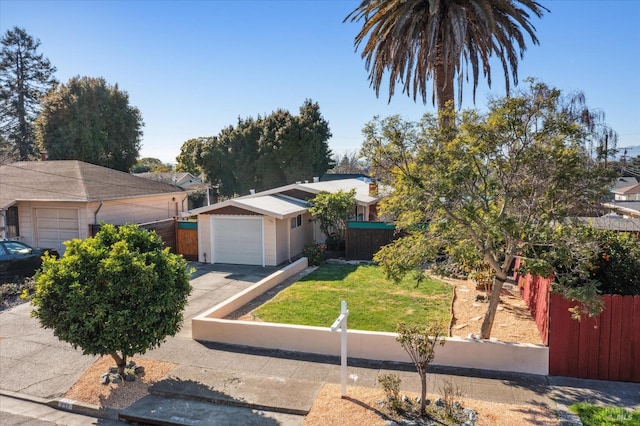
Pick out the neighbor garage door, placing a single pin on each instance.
(237, 240)
(55, 226)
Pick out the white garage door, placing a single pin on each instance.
(55, 226)
(237, 240)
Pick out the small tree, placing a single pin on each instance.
(332, 210)
(420, 345)
(491, 185)
(119, 293)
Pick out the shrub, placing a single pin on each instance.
(391, 385)
(314, 252)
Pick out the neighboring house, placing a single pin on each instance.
(624, 182)
(270, 227)
(184, 180)
(627, 193)
(45, 203)
(626, 198)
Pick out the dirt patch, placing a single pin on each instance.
(362, 407)
(513, 321)
(88, 388)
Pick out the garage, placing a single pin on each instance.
(55, 226)
(237, 240)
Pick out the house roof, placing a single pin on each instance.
(274, 203)
(631, 189)
(625, 181)
(613, 222)
(182, 179)
(362, 189)
(72, 180)
(277, 206)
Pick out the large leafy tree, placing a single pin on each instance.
(151, 165)
(92, 121)
(119, 293)
(493, 184)
(442, 40)
(263, 152)
(25, 76)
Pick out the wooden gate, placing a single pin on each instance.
(187, 239)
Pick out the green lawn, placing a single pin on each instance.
(374, 303)
(594, 415)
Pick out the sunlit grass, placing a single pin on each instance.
(374, 303)
(595, 415)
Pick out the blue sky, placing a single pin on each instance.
(194, 67)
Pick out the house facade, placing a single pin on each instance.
(626, 198)
(45, 203)
(270, 227)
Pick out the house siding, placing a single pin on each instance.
(282, 232)
(205, 239)
(270, 249)
(140, 210)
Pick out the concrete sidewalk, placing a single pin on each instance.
(239, 385)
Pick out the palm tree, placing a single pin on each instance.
(419, 40)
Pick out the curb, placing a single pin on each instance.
(566, 417)
(69, 405)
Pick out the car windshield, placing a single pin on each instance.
(14, 247)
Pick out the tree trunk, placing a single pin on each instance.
(443, 82)
(121, 362)
(490, 315)
(423, 392)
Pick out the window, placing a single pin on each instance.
(296, 221)
(13, 229)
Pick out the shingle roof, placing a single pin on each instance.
(71, 180)
(631, 189)
(614, 223)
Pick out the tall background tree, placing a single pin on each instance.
(442, 40)
(25, 76)
(89, 120)
(263, 152)
(503, 181)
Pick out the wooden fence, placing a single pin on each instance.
(604, 347)
(364, 239)
(166, 229)
(187, 239)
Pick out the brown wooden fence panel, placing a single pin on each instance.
(166, 229)
(364, 239)
(187, 240)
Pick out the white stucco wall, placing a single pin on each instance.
(466, 353)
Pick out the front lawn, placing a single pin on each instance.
(374, 303)
(595, 415)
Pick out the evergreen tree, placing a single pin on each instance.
(92, 121)
(25, 76)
